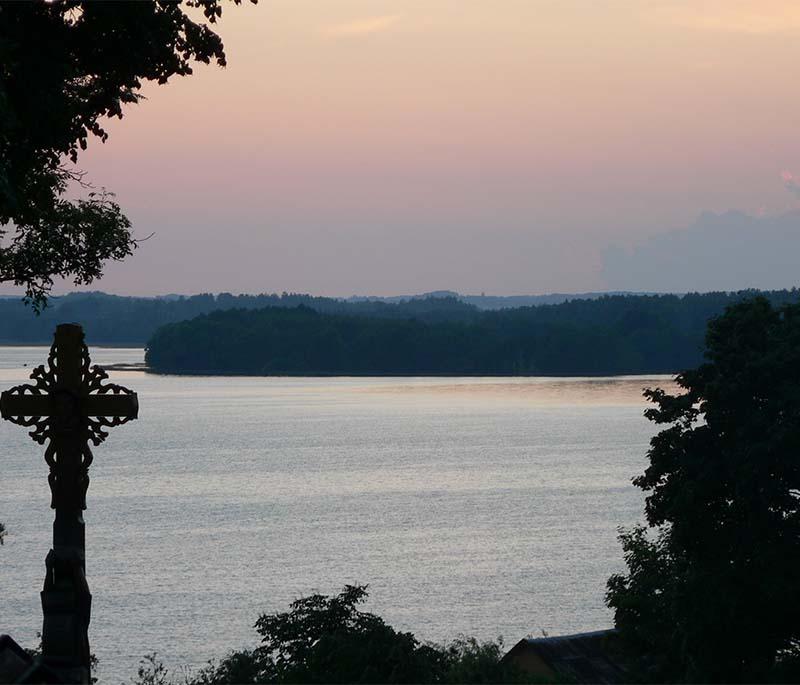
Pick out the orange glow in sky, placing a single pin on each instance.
(373, 146)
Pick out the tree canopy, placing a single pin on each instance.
(65, 65)
(328, 639)
(711, 591)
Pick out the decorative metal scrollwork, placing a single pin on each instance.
(66, 410)
(46, 382)
(93, 378)
(91, 383)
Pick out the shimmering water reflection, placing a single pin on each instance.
(484, 506)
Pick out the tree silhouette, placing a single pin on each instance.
(713, 595)
(64, 66)
(328, 639)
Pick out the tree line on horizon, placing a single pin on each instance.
(124, 320)
(609, 335)
(128, 320)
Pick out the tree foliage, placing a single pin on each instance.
(327, 639)
(711, 591)
(65, 66)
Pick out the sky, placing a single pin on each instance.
(505, 146)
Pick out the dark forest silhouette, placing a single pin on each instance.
(608, 335)
(328, 639)
(711, 592)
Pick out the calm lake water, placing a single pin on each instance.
(484, 506)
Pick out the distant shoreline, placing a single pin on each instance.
(122, 366)
(232, 374)
(106, 345)
(143, 367)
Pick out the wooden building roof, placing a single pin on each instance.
(580, 658)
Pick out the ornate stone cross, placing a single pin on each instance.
(68, 406)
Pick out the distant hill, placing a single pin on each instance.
(618, 334)
(117, 320)
(121, 320)
(495, 301)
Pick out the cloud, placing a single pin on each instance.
(765, 17)
(361, 27)
(791, 183)
(729, 251)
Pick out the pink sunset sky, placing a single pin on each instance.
(512, 146)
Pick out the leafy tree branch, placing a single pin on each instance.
(65, 67)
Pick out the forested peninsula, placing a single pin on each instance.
(608, 335)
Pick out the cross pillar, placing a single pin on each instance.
(68, 407)
(66, 600)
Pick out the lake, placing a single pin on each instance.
(483, 506)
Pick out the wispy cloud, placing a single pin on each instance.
(791, 183)
(361, 27)
(765, 17)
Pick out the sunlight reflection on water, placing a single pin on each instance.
(483, 506)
